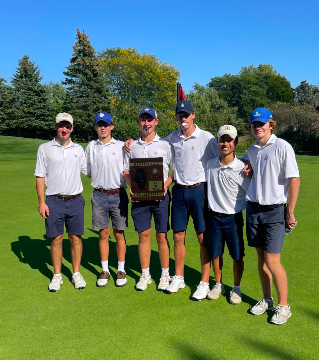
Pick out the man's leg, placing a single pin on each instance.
(204, 257)
(217, 268)
(264, 274)
(278, 273)
(120, 244)
(104, 235)
(179, 252)
(56, 253)
(76, 251)
(163, 249)
(144, 248)
(238, 270)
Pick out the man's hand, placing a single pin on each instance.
(290, 221)
(127, 145)
(248, 170)
(43, 210)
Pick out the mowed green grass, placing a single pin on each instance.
(122, 323)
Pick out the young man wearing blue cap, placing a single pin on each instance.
(58, 176)
(150, 145)
(275, 182)
(193, 148)
(226, 188)
(105, 159)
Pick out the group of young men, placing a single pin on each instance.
(211, 185)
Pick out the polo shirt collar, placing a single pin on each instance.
(112, 141)
(270, 141)
(54, 143)
(230, 165)
(140, 141)
(195, 134)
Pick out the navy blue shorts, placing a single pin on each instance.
(226, 229)
(142, 212)
(68, 212)
(189, 202)
(265, 227)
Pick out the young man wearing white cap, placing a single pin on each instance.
(275, 182)
(193, 148)
(58, 176)
(150, 145)
(226, 189)
(105, 159)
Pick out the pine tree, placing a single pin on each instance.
(86, 90)
(31, 115)
(5, 104)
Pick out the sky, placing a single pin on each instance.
(200, 38)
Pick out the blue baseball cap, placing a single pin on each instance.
(184, 106)
(148, 110)
(260, 114)
(103, 116)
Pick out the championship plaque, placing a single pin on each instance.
(147, 181)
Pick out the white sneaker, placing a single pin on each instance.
(216, 291)
(121, 279)
(103, 279)
(281, 315)
(55, 283)
(262, 306)
(235, 296)
(163, 282)
(78, 281)
(201, 292)
(176, 284)
(143, 282)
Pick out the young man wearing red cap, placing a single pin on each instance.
(275, 182)
(105, 158)
(58, 176)
(150, 145)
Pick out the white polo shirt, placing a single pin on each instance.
(226, 186)
(61, 167)
(273, 164)
(191, 155)
(105, 161)
(157, 148)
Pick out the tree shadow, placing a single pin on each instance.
(189, 352)
(269, 350)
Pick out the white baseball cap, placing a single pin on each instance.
(227, 130)
(64, 117)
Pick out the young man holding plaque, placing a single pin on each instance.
(105, 158)
(150, 145)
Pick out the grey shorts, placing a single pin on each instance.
(265, 226)
(107, 206)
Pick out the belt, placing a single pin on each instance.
(111, 191)
(188, 186)
(220, 215)
(67, 197)
(264, 207)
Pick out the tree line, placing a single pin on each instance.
(122, 81)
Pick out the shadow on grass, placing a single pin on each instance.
(314, 315)
(36, 253)
(270, 351)
(189, 352)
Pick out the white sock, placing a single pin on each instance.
(75, 273)
(165, 271)
(146, 271)
(105, 265)
(120, 266)
(59, 275)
